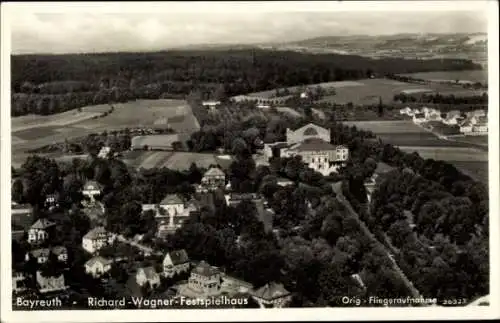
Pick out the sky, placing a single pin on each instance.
(94, 31)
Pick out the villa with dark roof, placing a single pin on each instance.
(97, 266)
(96, 239)
(213, 179)
(91, 189)
(272, 295)
(175, 262)
(205, 281)
(147, 276)
(50, 284)
(39, 231)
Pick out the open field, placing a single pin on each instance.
(451, 154)
(371, 89)
(382, 127)
(57, 120)
(405, 133)
(171, 160)
(476, 170)
(326, 85)
(475, 140)
(29, 132)
(472, 76)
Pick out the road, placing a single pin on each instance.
(146, 250)
(338, 190)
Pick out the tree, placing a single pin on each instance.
(177, 145)
(18, 191)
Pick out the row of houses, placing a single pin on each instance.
(312, 143)
(470, 123)
(204, 280)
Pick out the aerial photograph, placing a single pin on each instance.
(249, 160)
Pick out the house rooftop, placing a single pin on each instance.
(149, 272)
(98, 259)
(313, 144)
(204, 269)
(59, 250)
(179, 256)
(95, 233)
(43, 252)
(92, 185)
(271, 291)
(214, 171)
(171, 199)
(42, 224)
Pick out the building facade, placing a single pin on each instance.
(96, 239)
(175, 262)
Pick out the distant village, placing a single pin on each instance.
(473, 123)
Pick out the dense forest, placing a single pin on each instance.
(47, 84)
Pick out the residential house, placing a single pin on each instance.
(477, 113)
(91, 189)
(204, 281)
(452, 117)
(147, 276)
(39, 231)
(171, 214)
(41, 255)
(96, 239)
(97, 266)
(306, 132)
(149, 207)
(230, 283)
(480, 125)
(61, 253)
(236, 198)
(173, 205)
(52, 201)
(211, 105)
(213, 178)
(50, 284)
(406, 111)
(272, 295)
(175, 262)
(18, 282)
(419, 118)
(104, 152)
(284, 182)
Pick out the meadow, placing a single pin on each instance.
(29, 132)
(368, 91)
(471, 160)
(472, 76)
(172, 160)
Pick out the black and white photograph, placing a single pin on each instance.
(255, 160)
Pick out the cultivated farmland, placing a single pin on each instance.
(471, 76)
(172, 160)
(412, 138)
(404, 133)
(371, 89)
(29, 132)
